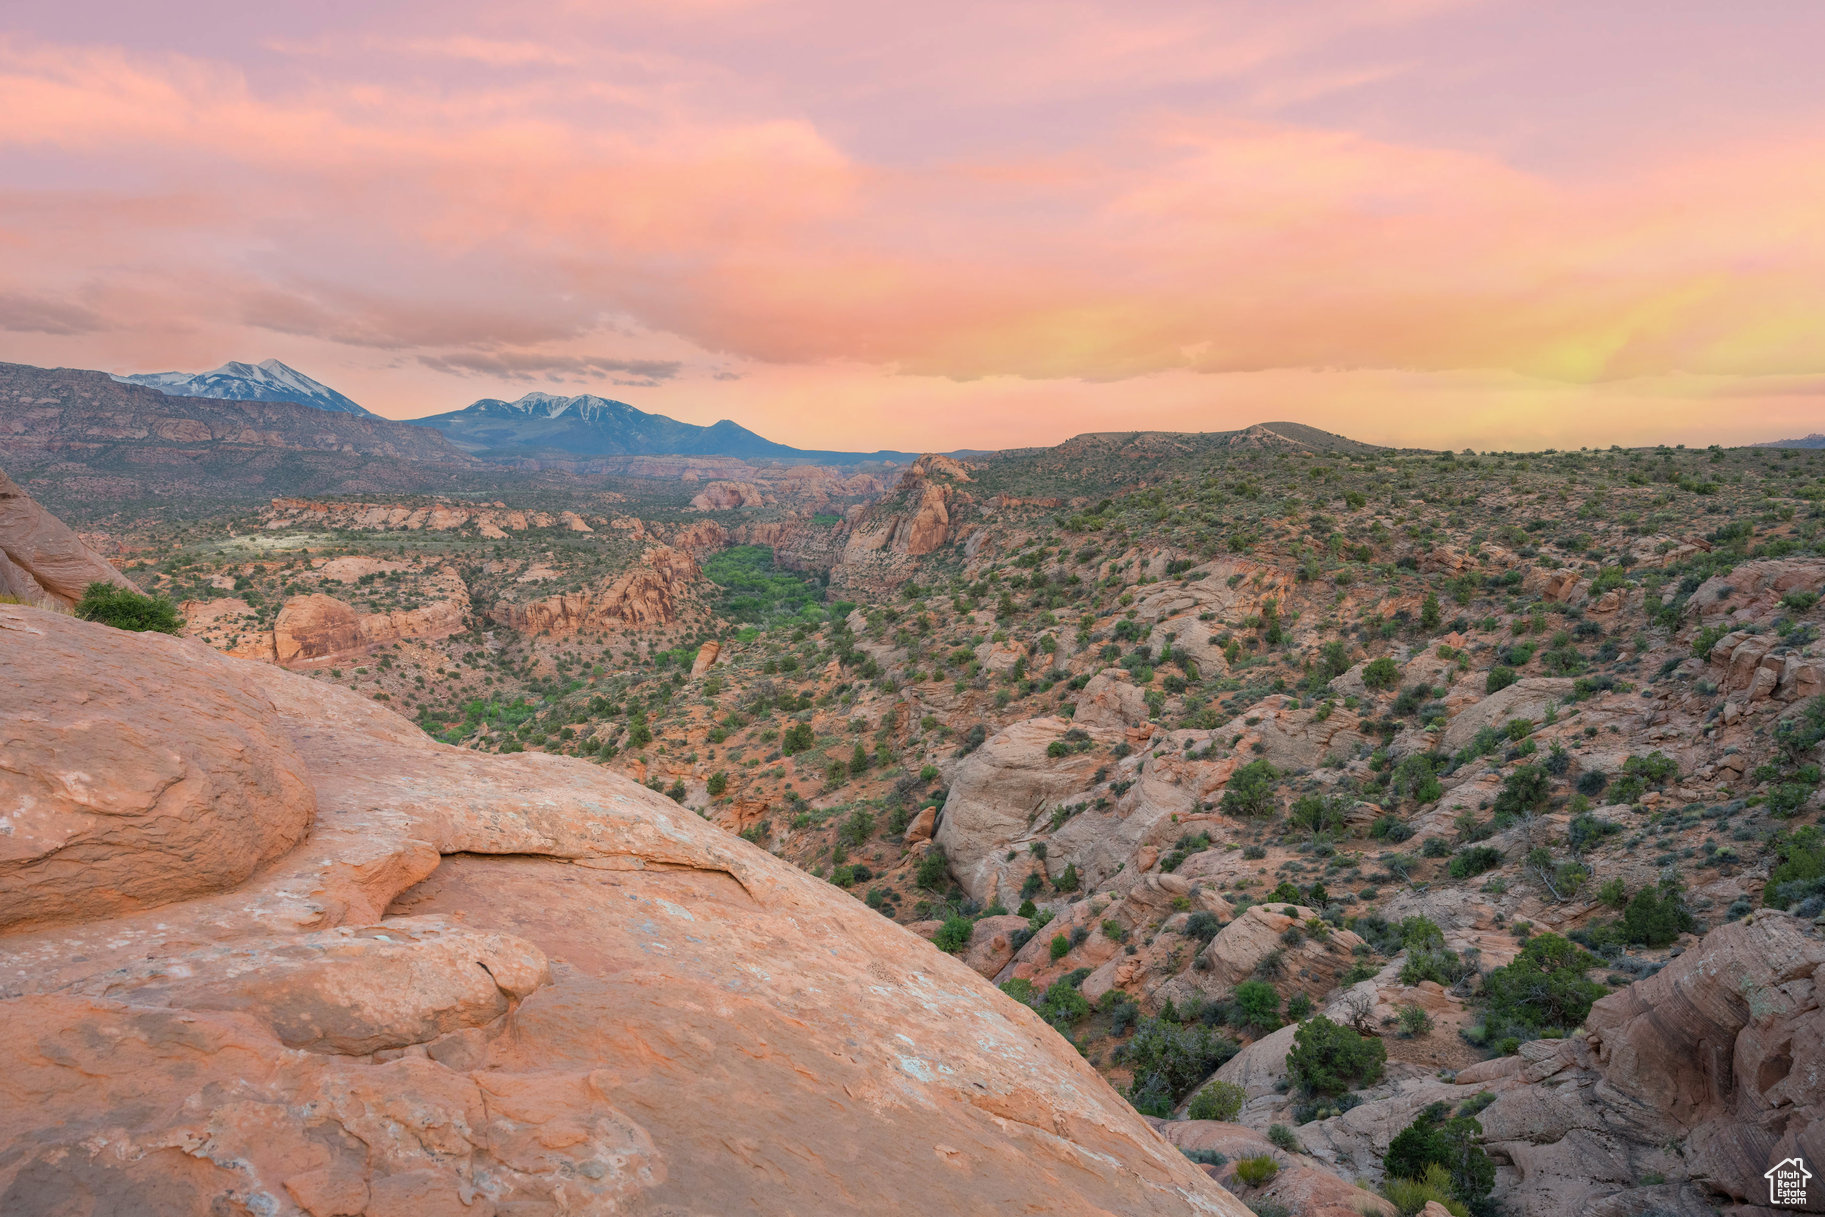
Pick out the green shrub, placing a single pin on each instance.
(1217, 1101)
(1429, 612)
(934, 870)
(856, 829)
(1253, 1172)
(1654, 919)
(798, 738)
(1202, 926)
(1167, 1060)
(1319, 814)
(1328, 1058)
(1282, 1137)
(1474, 860)
(1499, 678)
(1437, 1139)
(125, 609)
(1707, 638)
(1251, 790)
(954, 935)
(1061, 946)
(1063, 1002)
(1020, 989)
(1381, 673)
(1526, 789)
(1544, 987)
(718, 783)
(1410, 1196)
(1800, 733)
(1801, 870)
(1255, 1006)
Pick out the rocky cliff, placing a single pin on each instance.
(41, 560)
(358, 972)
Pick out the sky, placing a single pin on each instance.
(1465, 223)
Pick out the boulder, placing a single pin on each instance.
(919, 830)
(499, 985)
(161, 775)
(1313, 964)
(992, 944)
(1110, 699)
(317, 631)
(41, 558)
(996, 798)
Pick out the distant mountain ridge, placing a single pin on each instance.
(83, 440)
(268, 380)
(1815, 440)
(588, 426)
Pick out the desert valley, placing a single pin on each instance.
(1204, 823)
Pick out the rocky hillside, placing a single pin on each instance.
(283, 954)
(74, 436)
(1287, 779)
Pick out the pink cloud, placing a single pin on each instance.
(502, 207)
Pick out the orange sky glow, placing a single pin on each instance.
(1483, 223)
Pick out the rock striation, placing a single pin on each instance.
(42, 561)
(477, 985)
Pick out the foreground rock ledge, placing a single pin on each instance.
(487, 986)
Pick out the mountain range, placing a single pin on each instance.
(268, 380)
(587, 425)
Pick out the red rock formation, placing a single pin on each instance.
(316, 631)
(41, 559)
(916, 518)
(1719, 1052)
(726, 496)
(648, 595)
(927, 526)
(701, 537)
(491, 985)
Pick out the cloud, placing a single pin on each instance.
(531, 365)
(706, 208)
(35, 315)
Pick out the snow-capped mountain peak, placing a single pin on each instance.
(268, 380)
